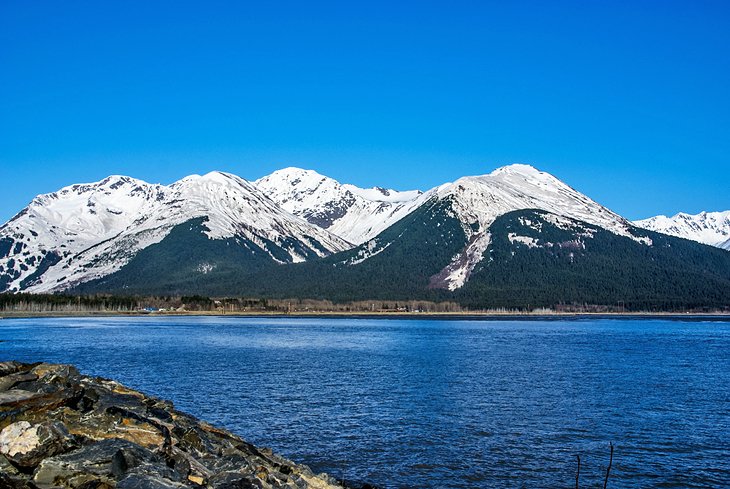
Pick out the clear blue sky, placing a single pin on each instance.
(627, 101)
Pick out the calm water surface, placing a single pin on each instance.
(441, 404)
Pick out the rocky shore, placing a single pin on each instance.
(61, 429)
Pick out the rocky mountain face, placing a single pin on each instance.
(61, 429)
(712, 228)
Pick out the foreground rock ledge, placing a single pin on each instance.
(59, 428)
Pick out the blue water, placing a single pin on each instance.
(441, 404)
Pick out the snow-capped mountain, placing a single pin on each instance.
(712, 228)
(484, 239)
(352, 213)
(87, 231)
(479, 200)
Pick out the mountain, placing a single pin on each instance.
(478, 201)
(87, 231)
(712, 228)
(352, 213)
(516, 237)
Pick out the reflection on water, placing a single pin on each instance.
(410, 403)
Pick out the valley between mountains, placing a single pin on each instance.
(516, 238)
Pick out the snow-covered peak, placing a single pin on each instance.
(108, 186)
(353, 213)
(293, 173)
(89, 211)
(483, 198)
(300, 180)
(519, 169)
(233, 205)
(293, 187)
(477, 201)
(712, 228)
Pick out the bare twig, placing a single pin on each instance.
(577, 474)
(608, 470)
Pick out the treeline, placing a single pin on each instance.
(70, 304)
(59, 303)
(66, 303)
(312, 305)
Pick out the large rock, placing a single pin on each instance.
(105, 462)
(12, 380)
(26, 445)
(60, 429)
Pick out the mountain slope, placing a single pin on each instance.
(538, 259)
(534, 259)
(88, 231)
(372, 270)
(352, 213)
(725, 245)
(712, 228)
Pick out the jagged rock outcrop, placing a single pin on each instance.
(61, 429)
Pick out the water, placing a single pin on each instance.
(441, 404)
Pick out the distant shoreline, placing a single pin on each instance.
(467, 316)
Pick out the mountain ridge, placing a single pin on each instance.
(712, 228)
(299, 231)
(353, 213)
(87, 231)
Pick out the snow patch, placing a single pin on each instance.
(456, 273)
(369, 250)
(205, 268)
(526, 240)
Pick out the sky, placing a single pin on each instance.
(626, 101)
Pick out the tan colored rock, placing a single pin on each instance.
(50, 371)
(196, 479)
(100, 429)
(19, 438)
(26, 444)
(317, 482)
